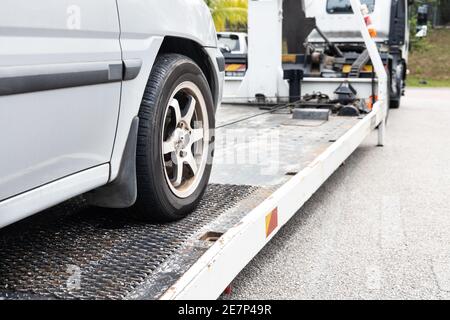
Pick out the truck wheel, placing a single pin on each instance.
(394, 104)
(175, 142)
(396, 88)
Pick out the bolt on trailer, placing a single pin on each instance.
(87, 253)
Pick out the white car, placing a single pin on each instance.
(114, 99)
(233, 42)
(234, 46)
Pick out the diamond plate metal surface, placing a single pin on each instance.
(74, 251)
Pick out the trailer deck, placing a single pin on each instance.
(267, 166)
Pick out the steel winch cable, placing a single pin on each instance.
(272, 110)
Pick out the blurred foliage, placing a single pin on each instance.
(429, 64)
(416, 43)
(229, 14)
(443, 5)
(445, 10)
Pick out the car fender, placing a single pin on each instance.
(144, 25)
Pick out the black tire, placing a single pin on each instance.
(156, 202)
(396, 95)
(395, 104)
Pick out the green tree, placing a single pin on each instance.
(232, 13)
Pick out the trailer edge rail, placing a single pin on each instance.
(217, 268)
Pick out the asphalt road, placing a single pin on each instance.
(379, 228)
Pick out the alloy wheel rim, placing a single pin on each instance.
(185, 139)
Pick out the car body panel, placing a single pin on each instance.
(51, 134)
(31, 202)
(189, 19)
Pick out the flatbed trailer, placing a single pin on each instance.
(74, 251)
(267, 166)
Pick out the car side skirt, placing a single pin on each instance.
(36, 200)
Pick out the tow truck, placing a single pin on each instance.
(334, 49)
(332, 53)
(75, 251)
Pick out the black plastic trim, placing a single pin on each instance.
(33, 78)
(221, 63)
(131, 68)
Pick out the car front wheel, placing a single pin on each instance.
(175, 140)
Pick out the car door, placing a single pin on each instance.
(60, 81)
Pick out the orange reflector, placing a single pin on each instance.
(367, 68)
(235, 67)
(371, 101)
(347, 68)
(373, 33)
(271, 222)
(289, 58)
